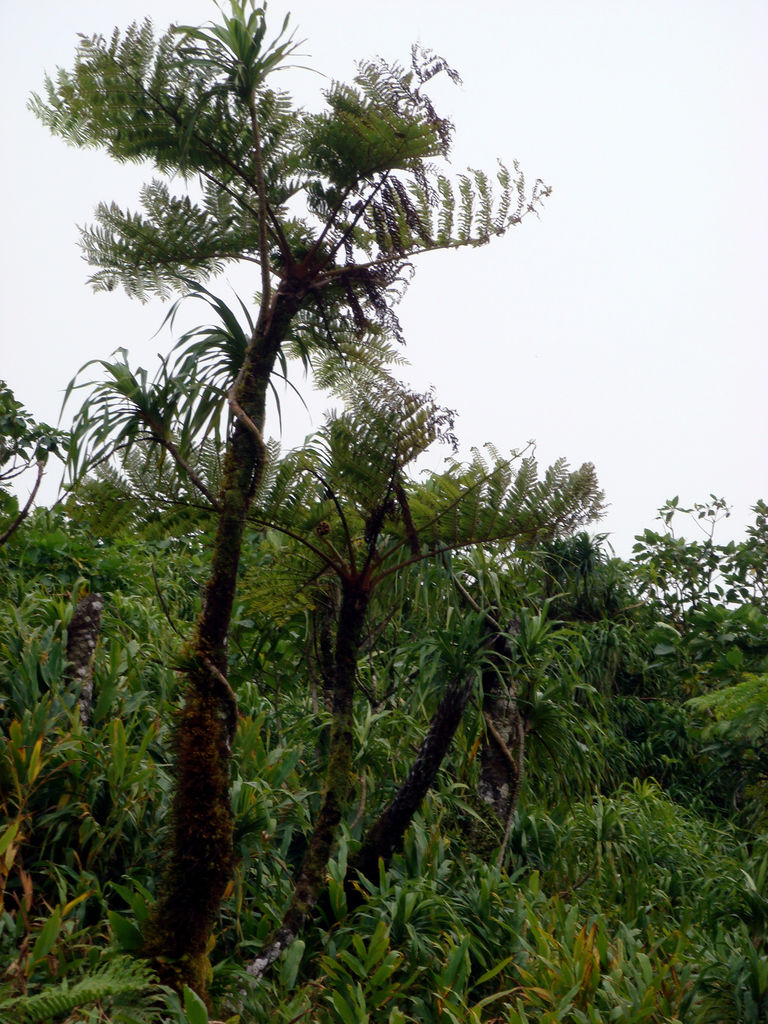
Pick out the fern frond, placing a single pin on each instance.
(115, 981)
(172, 241)
(503, 502)
(134, 97)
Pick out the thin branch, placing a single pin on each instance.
(202, 140)
(329, 224)
(26, 510)
(509, 756)
(240, 200)
(244, 418)
(328, 276)
(444, 550)
(361, 807)
(374, 540)
(363, 206)
(474, 605)
(161, 599)
(229, 693)
(436, 519)
(338, 567)
(342, 517)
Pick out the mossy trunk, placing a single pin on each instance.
(311, 880)
(200, 856)
(503, 751)
(338, 779)
(82, 637)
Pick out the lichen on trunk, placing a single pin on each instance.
(82, 637)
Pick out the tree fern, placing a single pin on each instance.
(331, 207)
(363, 166)
(354, 471)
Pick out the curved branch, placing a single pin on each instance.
(363, 206)
(26, 510)
(342, 517)
(337, 567)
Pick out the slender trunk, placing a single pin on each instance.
(517, 768)
(503, 751)
(27, 508)
(311, 880)
(385, 836)
(200, 855)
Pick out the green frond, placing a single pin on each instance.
(134, 97)
(212, 355)
(115, 982)
(355, 365)
(503, 502)
(326, 494)
(128, 409)
(344, 501)
(171, 241)
(362, 136)
(286, 581)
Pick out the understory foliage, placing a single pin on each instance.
(359, 743)
(635, 879)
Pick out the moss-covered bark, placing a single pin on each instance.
(311, 879)
(200, 856)
(338, 781)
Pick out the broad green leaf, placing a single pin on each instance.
(194, 1007)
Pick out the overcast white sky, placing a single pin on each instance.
(625, 327)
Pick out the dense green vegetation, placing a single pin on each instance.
(311, 736)
(634, 880)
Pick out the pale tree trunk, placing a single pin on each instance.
(82, 637)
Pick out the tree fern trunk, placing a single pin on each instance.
(200, 856)
(311, 880)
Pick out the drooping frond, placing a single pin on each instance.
(173, 239)
(213, 355)
(140, 99)
(127, 410)
(353, 460)
(141, 491)
(359, 137)
(352, 365)
(345, 502)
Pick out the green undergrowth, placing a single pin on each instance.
(625, 895)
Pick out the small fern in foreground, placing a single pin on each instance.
(122, 982)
